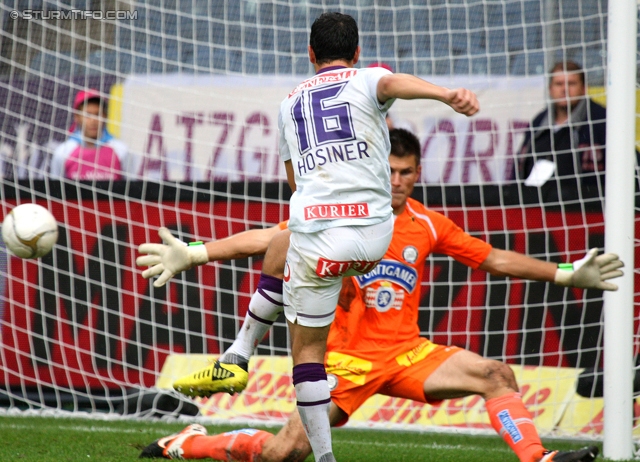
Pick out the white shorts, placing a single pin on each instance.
(317, 262)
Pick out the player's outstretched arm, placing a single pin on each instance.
(406, 86)
(175, 256)
(591, 272)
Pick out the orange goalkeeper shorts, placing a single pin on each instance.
(353, 379)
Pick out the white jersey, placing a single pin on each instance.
(333, 129)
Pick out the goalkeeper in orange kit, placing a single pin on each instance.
(375, 328)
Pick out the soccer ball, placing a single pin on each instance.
(29, 231)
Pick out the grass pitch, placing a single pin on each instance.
(27, 439)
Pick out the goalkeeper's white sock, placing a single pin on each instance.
(313, 399)
(264, 308)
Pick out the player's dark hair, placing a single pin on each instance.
(334, 36)
(567, 66)
(404, 144)
(101, 102)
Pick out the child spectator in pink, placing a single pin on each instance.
(91, 152)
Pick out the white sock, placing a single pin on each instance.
(264, 308)
(313, 399)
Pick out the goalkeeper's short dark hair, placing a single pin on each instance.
(334, 36)
(404, 144)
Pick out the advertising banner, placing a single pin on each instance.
(84, 316)
(547, 392)
(198, 128)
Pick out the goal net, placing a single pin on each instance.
(193, 89)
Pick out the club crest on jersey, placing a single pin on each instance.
(385, 298)
(390, 270)
(332, 381)
(410, 254)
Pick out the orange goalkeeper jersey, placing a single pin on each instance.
(379, 310)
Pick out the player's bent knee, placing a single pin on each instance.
(276, 255)
(499, 375)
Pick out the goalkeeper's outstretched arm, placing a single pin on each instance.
(242, 245)
(591, 272)
(174, 256)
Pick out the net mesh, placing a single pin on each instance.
(193, 90)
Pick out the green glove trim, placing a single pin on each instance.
(565, 266)
(196, 243)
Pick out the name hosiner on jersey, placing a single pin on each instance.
(333, 130)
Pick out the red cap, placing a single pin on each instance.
(382, 65)
(83, 95)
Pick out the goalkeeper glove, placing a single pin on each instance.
(590, 272)
(170, 258)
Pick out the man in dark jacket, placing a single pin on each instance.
(570, 133)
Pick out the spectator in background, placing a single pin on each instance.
(90, 152)
(568, 138)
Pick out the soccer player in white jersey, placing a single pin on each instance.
(335, 144)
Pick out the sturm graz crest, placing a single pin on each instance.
(410, 254)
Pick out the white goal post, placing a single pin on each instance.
(193, 88)
(620, 236)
